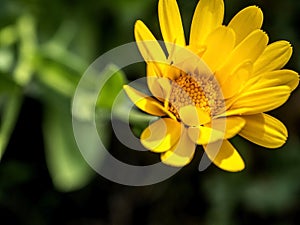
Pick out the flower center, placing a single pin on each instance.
(200, 91)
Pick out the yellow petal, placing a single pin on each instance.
(193, 116)
(233, 126)
(171, 72)
(251, 47)
(161, 135)
(182, 153)
(186, 60)
(218, 129)
(198, 50)
(264, 130)
(159, 87)
(225, 156)
(219, 44)
(259, 101)
(145, 102)
(155, 69)
(248, 50)
(203, 135)
(170, 22)
(165, 85)
(147, 44)
(274, 78)
(230, 126)
(236, 81)
(152, 75)
(207, 17)
(246, 21)
(274, 57)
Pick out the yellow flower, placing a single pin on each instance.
(217, 86)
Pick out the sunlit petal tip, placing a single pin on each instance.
(274, 57)
(260, 36)
(170, 22)
(256, 11)
(147, 43)
(287, 44)
(137, 23)
(266, 35)
(246, 21)
(225, 156)
(209, 14)
(140, 29)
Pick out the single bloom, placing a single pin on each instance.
(217, 85)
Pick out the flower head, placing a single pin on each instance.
(216, 86)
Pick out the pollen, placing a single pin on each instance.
(200, 91)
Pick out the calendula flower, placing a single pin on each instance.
(216, 86)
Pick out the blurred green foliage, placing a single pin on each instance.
(45, 47)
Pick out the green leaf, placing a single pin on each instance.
(59, 48)
(59, 53)
(68, 169)
(7, 59)
(8, 35)
(24, 69)
(112, 87)
(57, 77)
(7, 85)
